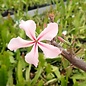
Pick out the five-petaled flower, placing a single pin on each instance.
(48, 33)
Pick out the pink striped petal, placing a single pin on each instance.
(49, 32)
(29, 27)
(18, 42)
(32, 56)
(49, 51)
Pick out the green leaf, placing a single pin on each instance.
(4, 58)
(40, 83)
(10, 78)
(48, 68)
(75, 82)
(20, 73)
(56, 71)
(11, 58)
(83, 83)
(5, 35)
(3, 75)
(68, 71)
(42, 61)
(38, 73)
(65, 63)
(28, 73)
(63, 81)
(78, 76)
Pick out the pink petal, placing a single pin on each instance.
(18, 42)
(29, 27)
(32, 57)
(49, 32)
(49, 51)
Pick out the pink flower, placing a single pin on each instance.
(48, 33)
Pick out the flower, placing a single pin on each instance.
(48, 33)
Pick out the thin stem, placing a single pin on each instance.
(28, 73)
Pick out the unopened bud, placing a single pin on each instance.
(61, 39)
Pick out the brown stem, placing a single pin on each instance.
(71, 58)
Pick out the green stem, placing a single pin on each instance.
(28, 73)
(51, 81)
(39, 71)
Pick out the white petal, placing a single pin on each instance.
(18, 42)
(49, 51)
(29, 26)
(32, 56)
(49, 32)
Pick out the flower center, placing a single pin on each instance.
(36, 41)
